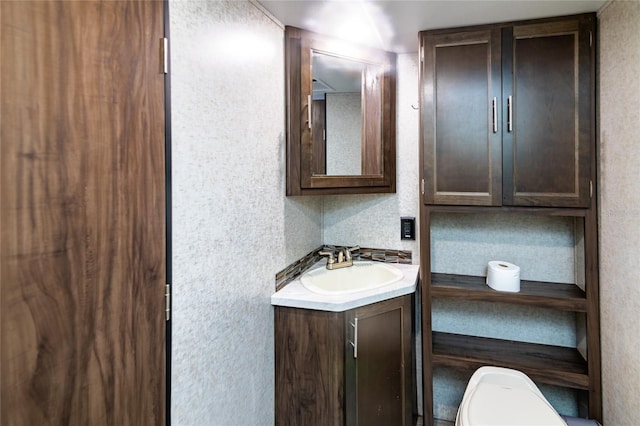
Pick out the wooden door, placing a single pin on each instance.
(379, 384)
(82, 215)
(548, 89)
(460, 98)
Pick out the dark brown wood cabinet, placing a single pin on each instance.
(508, 113)
(508, 128)
(345, 368)
(309, 170)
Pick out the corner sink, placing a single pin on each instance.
(362, 276)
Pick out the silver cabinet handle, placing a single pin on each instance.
(354, 343)
(495, 116)
(309, 110)
(509, 114)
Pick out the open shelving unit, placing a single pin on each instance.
(548, 364)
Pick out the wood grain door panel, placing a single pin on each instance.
(383, 366)
(462, 149)
(82, 215)
(380, 369)
(309, 367)
(548, 151)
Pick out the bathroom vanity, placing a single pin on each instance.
(345, 359)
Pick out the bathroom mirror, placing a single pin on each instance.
(336, 105)
(340, 116)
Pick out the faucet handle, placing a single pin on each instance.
(348, 251)
(329, 254)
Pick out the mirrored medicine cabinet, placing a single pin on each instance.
(340, 116)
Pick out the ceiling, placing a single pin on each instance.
(394, 25)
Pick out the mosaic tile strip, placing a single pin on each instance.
(298, 267)
(386, 255)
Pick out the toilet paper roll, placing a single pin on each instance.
(503, 276)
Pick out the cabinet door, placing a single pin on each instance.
(309, 367)
(461, 96)
(548, 97)
(379, 364)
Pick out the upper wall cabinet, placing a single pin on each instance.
(340, 116)
(508, 113)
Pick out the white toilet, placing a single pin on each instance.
(503, 397)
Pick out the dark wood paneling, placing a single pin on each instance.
(372, 116)
(309, 367)
(547, 71)
(593, 307)
(532, 211)
(379, 366)
(383, 365)
(425, 313)
(82, 216)
(293, 89)
(302, 115)
(460, 79)
(544, 114)
(462, 85)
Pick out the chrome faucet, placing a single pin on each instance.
(345, 257)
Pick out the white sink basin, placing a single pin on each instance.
(361, 276)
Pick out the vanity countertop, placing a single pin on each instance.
(295, 295)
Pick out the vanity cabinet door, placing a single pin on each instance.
(378, 364)
(309, 367)
(461, 92)
(548, 132)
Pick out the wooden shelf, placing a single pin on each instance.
(567, 297)
(553, 365)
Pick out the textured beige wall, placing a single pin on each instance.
(233, 227)
(374, 220)
(619, 130)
